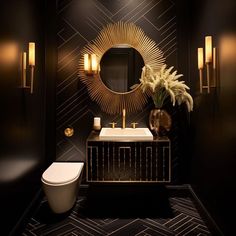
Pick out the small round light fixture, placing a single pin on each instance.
(69, 132)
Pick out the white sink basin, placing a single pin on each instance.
(125, 134)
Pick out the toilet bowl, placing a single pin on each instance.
(61, 181)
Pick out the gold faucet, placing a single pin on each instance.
(123, 118)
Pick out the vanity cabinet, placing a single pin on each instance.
(128, 161)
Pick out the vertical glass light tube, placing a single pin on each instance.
(94, 62)
(200, 58)
(31, 54)
(208, 49)
(86, 63)
(208, 59)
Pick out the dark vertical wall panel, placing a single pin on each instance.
(50, 80)
(214, 123)
(78, 23)
(22, 114)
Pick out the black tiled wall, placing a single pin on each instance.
(78, 23)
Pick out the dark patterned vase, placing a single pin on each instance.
(159, 122)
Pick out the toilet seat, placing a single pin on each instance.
(62, 172)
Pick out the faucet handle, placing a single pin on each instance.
(113, 124)
(134, 125)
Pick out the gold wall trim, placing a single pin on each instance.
(119, 33)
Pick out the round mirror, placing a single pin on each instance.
(126, 94)
(121, 68)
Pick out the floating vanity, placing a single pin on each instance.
(133, 155)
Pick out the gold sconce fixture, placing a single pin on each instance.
(31, 63)
(210, 62)
(90, 64)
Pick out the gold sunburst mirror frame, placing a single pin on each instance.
(118, 33)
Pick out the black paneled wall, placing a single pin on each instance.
(214, 116)
(22, 114)
(79, 22)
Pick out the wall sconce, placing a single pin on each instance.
(90, 64)
(31, 67)
(210, 62)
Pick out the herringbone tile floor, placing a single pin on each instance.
(122, 211)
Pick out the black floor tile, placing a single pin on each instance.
(121, 211)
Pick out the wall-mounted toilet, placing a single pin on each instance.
(61, 181)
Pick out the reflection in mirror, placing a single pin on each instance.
(120, 68)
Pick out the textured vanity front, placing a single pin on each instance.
(128, 161)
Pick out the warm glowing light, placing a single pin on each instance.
(32, 54)
(227, 49)
(90, 63)
(200, 58)
(86, 63)
(94, 62)
(8, 53)
(208, 49)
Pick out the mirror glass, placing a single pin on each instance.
(121, 67)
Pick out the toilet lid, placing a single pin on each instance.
(62, 172)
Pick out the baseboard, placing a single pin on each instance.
(214, 228)
(21, 223)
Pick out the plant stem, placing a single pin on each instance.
(159, 97)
